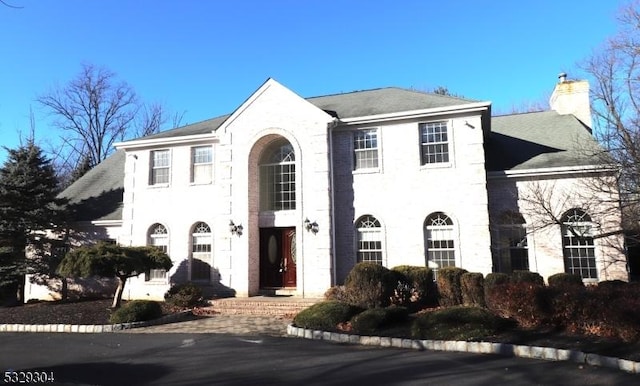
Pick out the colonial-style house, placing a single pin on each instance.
(286, 194)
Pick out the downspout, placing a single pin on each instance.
(331, 125)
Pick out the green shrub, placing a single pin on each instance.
(370, 285)
(472, 285)
(457, 323)
(325, 315)
(423, 288)
(449, 290)
(371, 320)
(136, 311)
(612, 283)
(184, 295)
(526, 277)
(565, 279)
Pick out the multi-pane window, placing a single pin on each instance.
(201, 252)
(434, 142)
(201, 165)
(365, 149)
(278, 177)
(158, 236)
(440, 241)
(512, 243)
(369, 235)
(160, 167)
(577, 244)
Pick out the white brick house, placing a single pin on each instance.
(287, 194)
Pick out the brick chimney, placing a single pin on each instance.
(572, 97)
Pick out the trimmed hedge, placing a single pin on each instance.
(457, 323)
(136, 311)
(472, 285)
(565, 279)
(325, 315)
(370, 285)
(371, 320)
(423, 291)
(526, 303)
(184, 295)
(526, 277)
(449, 289)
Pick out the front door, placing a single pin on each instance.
(277, 257)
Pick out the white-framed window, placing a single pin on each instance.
(160, 168)
(369, 239)
(365, 149)
(440, 245)
(201, 164)
(578, 244)
(434, 142)
(158, 236)
(278, 177)
(513, 248)
(201, 252)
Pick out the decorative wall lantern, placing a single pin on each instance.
(311, 226)
(235, 229)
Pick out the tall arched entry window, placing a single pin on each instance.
(577, 244)
(201, 252)
(278, 177)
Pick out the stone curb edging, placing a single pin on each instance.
(93, 328)
(506, 349)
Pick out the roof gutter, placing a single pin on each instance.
(186, 139)
(458, 109)
(556, 171)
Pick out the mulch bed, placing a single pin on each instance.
(76, 312)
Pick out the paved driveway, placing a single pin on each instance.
(227, 359)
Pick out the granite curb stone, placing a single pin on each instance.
(505, 349)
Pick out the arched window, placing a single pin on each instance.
(369, 236)
(439, 237)
(201, 252)
(577, 244)
(158, 236)
(278, 177)
(512, 243)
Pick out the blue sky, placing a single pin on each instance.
(204, 58)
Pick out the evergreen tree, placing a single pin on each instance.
(28, 210)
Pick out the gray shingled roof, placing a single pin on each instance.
(346, 105)
(98, 194)
(538, 140)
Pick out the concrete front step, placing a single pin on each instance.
(259, 305)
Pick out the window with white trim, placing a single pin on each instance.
(369, 238)
(158, 236)
(365, 149)
(512, 243)
(434, 143)
(278, 177)
(578, 244)
(201, 252)
(201, 164)
(160, 167)
(440, 246)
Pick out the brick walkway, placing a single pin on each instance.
(223, 324)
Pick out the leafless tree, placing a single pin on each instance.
(615, 95)
(93, 111)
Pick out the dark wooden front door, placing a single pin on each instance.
(277, 257)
